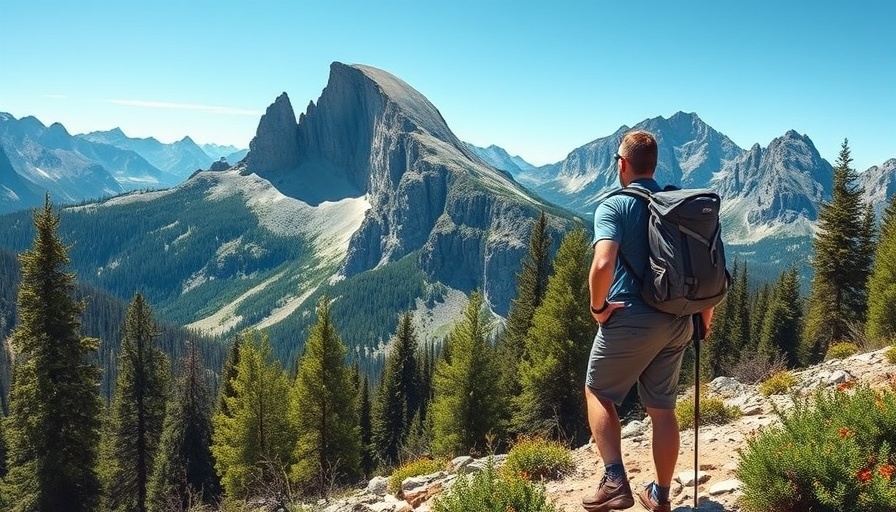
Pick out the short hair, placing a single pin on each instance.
(639, 149)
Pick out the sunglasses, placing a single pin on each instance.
(617, 157)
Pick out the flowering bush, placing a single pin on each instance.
(534, 458)
(777, 384)
(833, 453)
(713, 411)
(490, 489)
(841, 350)
(415, 468)
(890, 354)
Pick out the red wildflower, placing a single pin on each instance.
(864, 475)
(843, 386)
(886, 471)
(844, 432)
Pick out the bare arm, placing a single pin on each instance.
(601, 277)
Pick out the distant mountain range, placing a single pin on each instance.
(771, 192)
(369, 197)
(74, 168)
(498, 158)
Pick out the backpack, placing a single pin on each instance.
(686, 271)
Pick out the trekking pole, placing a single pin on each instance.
(698, 336)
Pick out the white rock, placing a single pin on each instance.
(633, 429)
(378, 485)
(725, 486)
(868, 357)
(726, 387)
(461, 462)
(838, 376)
(416, 481)
(686, 478)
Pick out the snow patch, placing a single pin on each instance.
(329, 225)
(289, 306)
(226, 318)
(184, 236)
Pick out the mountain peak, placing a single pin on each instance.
(58, 128)
(681, 116)
(274, 146)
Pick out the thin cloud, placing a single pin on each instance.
(55, 96)
(210, 109)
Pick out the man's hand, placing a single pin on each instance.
(706, 318)
(607, 313)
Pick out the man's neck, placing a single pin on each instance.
(639, 177)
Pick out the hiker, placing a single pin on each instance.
(635, 342)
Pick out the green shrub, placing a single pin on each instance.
(539, 459)
(713, 411)
(831, 454)
(890, 354)
(489, 490)
(841, 350)
(777, 384)
(414, 468)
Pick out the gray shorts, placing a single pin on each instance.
(639, 344)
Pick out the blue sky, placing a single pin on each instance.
(538, 79)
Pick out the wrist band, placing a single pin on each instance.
(602, 309)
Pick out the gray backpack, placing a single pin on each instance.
(685, 272)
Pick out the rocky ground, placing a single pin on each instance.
(718, 488)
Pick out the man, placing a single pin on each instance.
(634, 342)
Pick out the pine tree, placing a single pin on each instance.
(760, 302)
(781, 328)
(228, 374)
(138, 410)
(867, 245)
(464, 409)
(398, 395)
(254, 438)
(881, 324)
(184, 471)
(726, 336)
(532, 282)
(557, 348)
(364, 420)
(740, 326)
(325, 411)
(52, 431)
(836, 298)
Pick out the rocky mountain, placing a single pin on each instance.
(499, 158)
(16, 192)
(177, 160)
(879, 183)
(367, 197)
(372, 135)
(232, 154)
(690, 152)
(72, 169)
(773, 191)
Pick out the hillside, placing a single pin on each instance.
(718, 489)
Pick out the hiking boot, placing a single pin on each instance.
(610, 495)
(647, 501)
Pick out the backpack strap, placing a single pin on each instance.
(638, 193)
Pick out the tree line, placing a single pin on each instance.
(276, 432)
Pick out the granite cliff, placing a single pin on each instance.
(372, 135)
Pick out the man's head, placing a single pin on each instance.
(636, 157)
